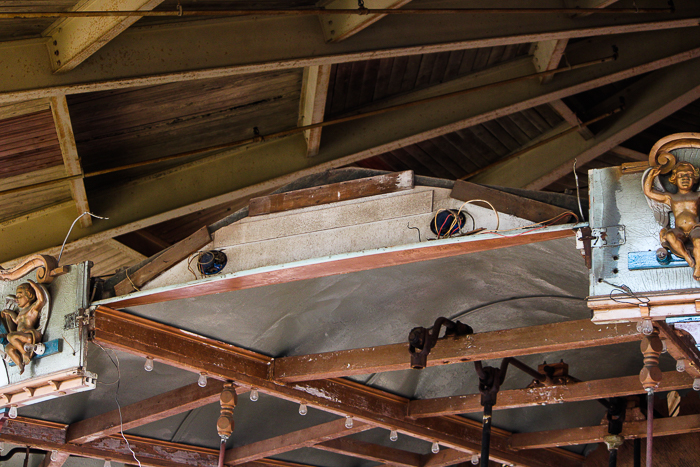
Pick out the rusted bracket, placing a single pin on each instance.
(425, 339)
(584, 237)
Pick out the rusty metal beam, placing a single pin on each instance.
(142, 337)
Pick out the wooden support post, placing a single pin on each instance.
(71, 161)
(312, 103)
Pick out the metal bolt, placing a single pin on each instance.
(55, 52)
(55, 42)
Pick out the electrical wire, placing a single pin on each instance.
(71, 229)
(116, 399)
(513, 299)
(641, 299)
(578, 191)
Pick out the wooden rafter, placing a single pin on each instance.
(312, 103)
(291, 441)
(372, 452)
(483, 346)
(139, 336)
(595, 434)
(339, 27)
(572, 392)
(147, 411)
(680, 349)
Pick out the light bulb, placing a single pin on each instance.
(148, 366)
(475, 459)
(348, 422)
(435, 448)
(680, 365)
(254, 396)
(394, 435)
(13, 412)
(54, 455)
(664, 349)
(201, 381)
(303, 410)
(108, 463)
(696, 384)
(647, 327)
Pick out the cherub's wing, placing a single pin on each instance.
(660, 210)
(45, 311)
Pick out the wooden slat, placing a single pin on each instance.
(507, 203)
(312, 103)
(483, 346)
(594, 434)
(573, 392)
(291, 441)
(165, 260)
(332, 193)
(23, 108)
(371, 452)
(147, 411)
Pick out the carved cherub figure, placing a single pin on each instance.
(684, 205)
(31, 300)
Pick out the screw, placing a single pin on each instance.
(55, 42)
(55, 52)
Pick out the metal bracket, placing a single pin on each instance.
(608, 236)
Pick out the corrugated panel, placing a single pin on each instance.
(457, 154)
(355, 84)
(120, 127)
(28, 143)
(13, 29)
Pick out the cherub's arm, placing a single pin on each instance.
(40, 301)
(10, 314)
(652, 193)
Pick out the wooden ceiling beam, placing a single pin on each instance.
(71, 160)
(24, 107)
(482, 346)
(291, 441)
(50, 436)
(648, 101)
(679, 349)
(138, 336)
(312, 103)
(337, 28)
(570, 117)
(72, 40)
(372, 452)
(242, 172)
(291, 42)
(530, 397)
(147, 411)
(594, 434)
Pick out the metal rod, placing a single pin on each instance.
(612, 458)
(301, 129)
(637, 453)
(541, 143)
(530, 371)
(330, 11)
(486, 435)
(650, 426)
(222, 452)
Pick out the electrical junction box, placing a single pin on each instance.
(58, 366)
(633, 276)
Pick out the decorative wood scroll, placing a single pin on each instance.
(47, 269)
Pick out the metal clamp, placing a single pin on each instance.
(425, 339)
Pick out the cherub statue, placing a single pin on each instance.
(23, 335)
(685, 235)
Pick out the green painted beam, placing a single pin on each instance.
(200, 49)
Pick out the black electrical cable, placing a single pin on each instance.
(12, 452)
(512, 299)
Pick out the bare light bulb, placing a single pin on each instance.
(303, 410)
(108, 463)
(254, 396)
(647, 327)
(696, 384)
(475, 459)
(435, 448)
(664, 348)
(13, 412)
(394, 435)
(348, 422)
(148, 366)
(54, 455)
(680, 365)
(202, 380)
